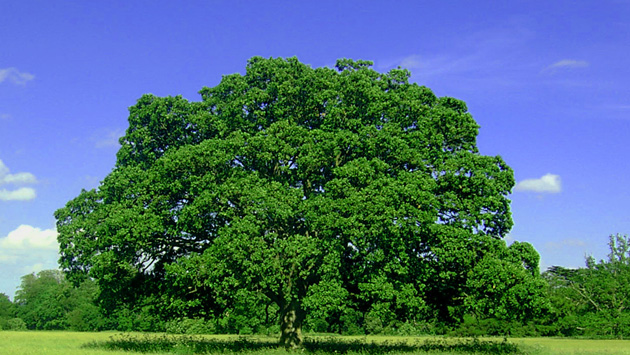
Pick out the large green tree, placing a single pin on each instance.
(311, 189)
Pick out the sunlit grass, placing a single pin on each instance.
(550, 346)
(53, 343)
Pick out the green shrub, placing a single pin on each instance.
(351, 322)
(373, 323)
(246, 330)
(191, 326)
(15, 324)
(408, 329)
(270, 330)
(317, 325)
(473, 327)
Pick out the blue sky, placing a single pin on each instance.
(547, 82)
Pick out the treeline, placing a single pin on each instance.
(590, 301)
(47, 301)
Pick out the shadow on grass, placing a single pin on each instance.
(185, 344)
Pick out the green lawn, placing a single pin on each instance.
(71, 343)
(573, 346)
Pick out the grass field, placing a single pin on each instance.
(74, 343)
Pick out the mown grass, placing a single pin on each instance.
(73, 343)
(563, 346)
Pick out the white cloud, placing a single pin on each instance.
(28, 237)
(35, 268)
(549, 183)
(25, 250)
(21, 194)
(23, 178)
(18, 178)
(15, 76)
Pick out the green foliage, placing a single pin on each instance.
(508, 287)
(84, 314)
(141, 319)
(333, 192)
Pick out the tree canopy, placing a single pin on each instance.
(319, 190)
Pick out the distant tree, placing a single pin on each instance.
(605, 285)
(340, 192)
(595, 298)
(7, 311)
(46, 300)
(41, 300)
(566, 308)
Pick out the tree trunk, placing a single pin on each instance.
(292, 317)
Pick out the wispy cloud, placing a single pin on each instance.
(22, 178)
(548, 183)
(4, 116)
(15, 76)
(620, 107)
(565, 64)
(8, 259)
(110, 139)
(494, 57)
(564, 243)
(426, 65)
